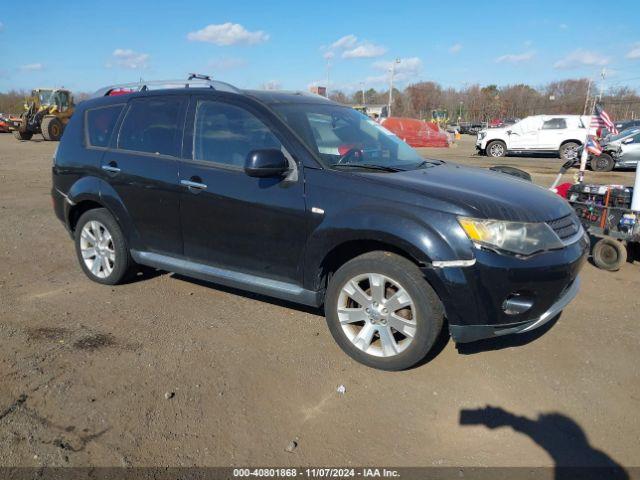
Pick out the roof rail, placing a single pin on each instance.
(194, 80)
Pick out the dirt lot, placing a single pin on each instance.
(84, 368)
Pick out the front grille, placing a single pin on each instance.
(565, 227)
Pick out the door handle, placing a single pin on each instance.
(111, 167)
(194, 185)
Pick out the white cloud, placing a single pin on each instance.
(634, 53)
(351, 47)
(516, 57)
(127, 58)
(455, 48)
(226, 34)
(1, 26)
(224, 64)
(32, 67)
(563, 26)
(581, 58)
(348, 41)
(365, 50)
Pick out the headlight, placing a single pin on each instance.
(481, 135)
(516, 237)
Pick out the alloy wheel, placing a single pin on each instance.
(377, 314)
(496, 150)
(96, 246)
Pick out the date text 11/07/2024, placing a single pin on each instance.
(316, 472)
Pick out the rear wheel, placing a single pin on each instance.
(569, 151)
(382, 312)
(496, 149)
(101, 247)
(22, 135)
(51, 128)
(609, 254)
(603, 163)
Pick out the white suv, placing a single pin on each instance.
(559, 134)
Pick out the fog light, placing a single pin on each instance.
(516, 304)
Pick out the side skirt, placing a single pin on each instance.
(230, 278)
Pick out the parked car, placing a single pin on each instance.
(626, 124)
(555, 134)
(4, 124)
(618, 151)
(235, 187)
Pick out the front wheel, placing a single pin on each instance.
(22, 135)
(603, 163)
(382, 312)
(496, 149)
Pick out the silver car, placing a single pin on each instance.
(619, 151)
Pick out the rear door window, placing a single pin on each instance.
(554, 124)
(152, 125)
(99, 124)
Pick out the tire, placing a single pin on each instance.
(370, 322)
(51, 128)
(609, 254)
(569, 151)
(603, 163)
(115, 260)
(496, 149)
(22, 135)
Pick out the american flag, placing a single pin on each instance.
(593, 147)
(600, 119)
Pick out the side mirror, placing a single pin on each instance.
(266, 163)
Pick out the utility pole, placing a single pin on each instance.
(586, 101)
(602, 75)
(393, 73)
(328, 69)
(363, 100)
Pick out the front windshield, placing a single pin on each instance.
(624, 133)
(44, 96)
(343, 136)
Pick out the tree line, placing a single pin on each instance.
(473, 103)
(477, 103)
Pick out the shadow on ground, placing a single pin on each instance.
(560, 436)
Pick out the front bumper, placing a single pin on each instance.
(471, 333)
(476, 297)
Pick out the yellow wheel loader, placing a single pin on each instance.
(47, 111)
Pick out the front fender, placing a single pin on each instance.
(425, 239)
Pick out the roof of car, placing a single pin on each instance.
(272, 97)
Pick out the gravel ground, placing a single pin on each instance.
(174, 372)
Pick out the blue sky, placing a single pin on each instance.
(83, 45)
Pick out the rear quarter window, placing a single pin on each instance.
(99, 124)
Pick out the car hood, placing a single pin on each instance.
(480, 193)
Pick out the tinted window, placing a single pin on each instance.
(554, 124)
(151, 125)
(99, 124)
(226, 134)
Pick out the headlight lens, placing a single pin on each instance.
(516, 237)
(481, 135)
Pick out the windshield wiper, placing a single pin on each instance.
(429, 163)
(368, 166)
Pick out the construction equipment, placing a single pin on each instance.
(47, 111)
